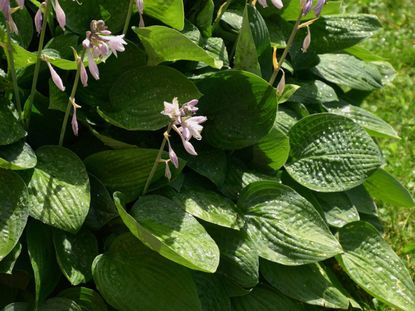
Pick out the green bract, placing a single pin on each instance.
(261, 194)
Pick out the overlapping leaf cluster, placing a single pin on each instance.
(276, 212)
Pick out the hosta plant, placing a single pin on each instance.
(193, 155)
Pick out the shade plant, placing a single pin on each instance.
(193, 155)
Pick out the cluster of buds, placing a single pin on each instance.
(140, 8)
(277, 3)
(307, 6)
(7, 11)
(185, 124)
(60, 15)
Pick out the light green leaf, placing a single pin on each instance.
(7, 263)
(384, 187)
(286, 228)
(240, 107)
(75, 254)
(17, 156)
(348, 71)
(170, 12)
(136, 98)
(314, 92)
(331, 153)
(167, 229)
(11, 130)
(164, 44)
(87, 299)
(14, 210)
(127, 274)
(313, 284)
(372, 264)
(59, 189)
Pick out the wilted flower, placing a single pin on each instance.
(277, 3)
(59, 13)
(99, 43)
(185, 124)
(140, 7)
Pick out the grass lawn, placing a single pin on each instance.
(396, 105)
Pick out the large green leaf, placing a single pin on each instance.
(349, 71)
(42, 257)
(207, 205)
(372, 123)
(164, 44)
(7, 263)
(59, 189)
(79, 15)
(125, 170)
(240, 107)
(362, 200)
(314, 92)
(331, 153)
(384, 187)
(132, 277)
(211, 292)
(10, 129)
(286, 228)
(87, 299)
(17, 156)
(60, 304)
(136, 98)
(313, 284)
(114, 13)
(166, 228)
(265, 299)
(75, 254)
(170, 12)
(373, 265)
(14, 210)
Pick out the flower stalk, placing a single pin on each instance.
(128, 18)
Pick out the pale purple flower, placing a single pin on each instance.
(172, 155)
(55, 77)
(281, 84)
(84, 74)
(189, 147)
(7, 12)
(92, 65)
(172, 110)
(307, 5)
(167, 171)
(20, 3)
(277, 3)
(60, 15)
(307, 41)
(140, 7)
(191, 127)
(74, 122)
(319, 7)
(39, 19)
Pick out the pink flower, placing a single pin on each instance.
(55, 77)
(277, 3)
(60, 15)
(172, 109)
(39, 19)
(7, 12)
(140, 7)
(20, 3)
(84, 74)
(191, 127)
(307, 41)
(281, 84)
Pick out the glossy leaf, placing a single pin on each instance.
(87, 299)
(136, 98)
(362, 200)
(14, 210)
(314, 92)
(372, 264)
(170, 12)
(240, 107)
(59, 189)
(11, 130)
(78, 16)
(75, 254)
(60, 304)
(331, 153)
(285, 227)
(17, 156)
(167, 229)
(7, 263)
(127, 274)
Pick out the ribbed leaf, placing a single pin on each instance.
(17, 156)
(165, 44)
(314, 284)
(75, 254)
(314, 92)
(59, 189)
(384, 187)
(167, 229)
(10, 129)
(128, 274)
(285, 227)
(60, 304)
(372, 264)
(331, 153)
(87, 299)
(240, 106)
(7, 263)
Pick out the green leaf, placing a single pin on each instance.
(363, 54)
(211, 292)
(164, 44)
(207, 205)
(79, 16)
(362, 200)
(75, 254)
(17, 156)
(128, 274)
(11, 130)
(314, 92)
(167, 229)
(126, 170)
(59, 189)
(286, 228)
(116, 13)
(265, 299)
(8, 262)
(18, 306)
(240, 107)
(136, 98)
(384, 187)
(87, 299)
(349, 71)
(331, 153)
(24, 24)
(42, 257)
(374, 125)
(290, 12)
(14, 211)
(170, 12)
(313, 284)
(372, 264)
(60, 304)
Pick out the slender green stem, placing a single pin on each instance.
(128, 18)
(71, 99)
(29, 104)
(12, 72)
(287, 48)
(158, 158)
(221, 11)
